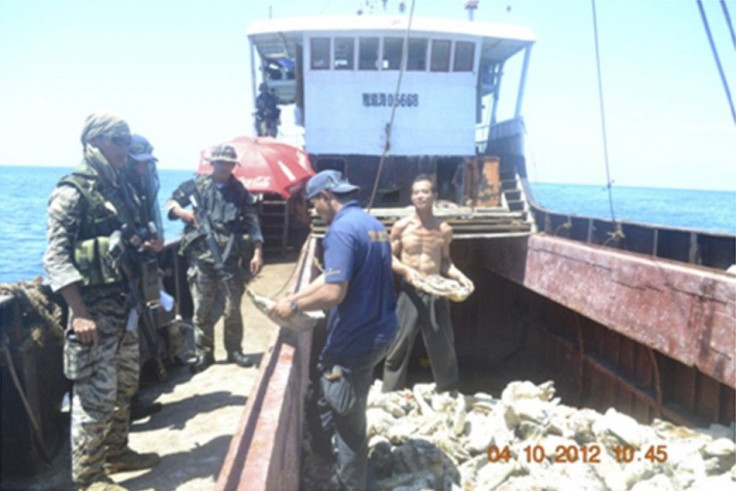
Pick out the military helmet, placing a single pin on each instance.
(223, 153)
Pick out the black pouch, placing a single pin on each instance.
(338, 389)
(78, 358)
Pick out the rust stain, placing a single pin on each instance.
(677, 310)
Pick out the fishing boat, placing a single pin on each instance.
(618, 314)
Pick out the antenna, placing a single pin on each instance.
(471, 6)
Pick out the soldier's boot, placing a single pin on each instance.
(240, 359)
(103, 485)
(130, 460)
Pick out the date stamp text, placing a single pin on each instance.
(589, 454)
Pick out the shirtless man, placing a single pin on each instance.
(421, 246)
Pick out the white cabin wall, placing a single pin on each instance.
(337, 122)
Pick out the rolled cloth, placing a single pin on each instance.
(103, 123)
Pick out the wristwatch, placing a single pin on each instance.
(294, 307)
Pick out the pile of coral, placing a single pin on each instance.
(420, 439)
(528, 440)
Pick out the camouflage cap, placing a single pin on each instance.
(223, 153)
(103, 123)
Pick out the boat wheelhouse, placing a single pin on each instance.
(384, 99)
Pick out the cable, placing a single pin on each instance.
(37, 433)
(728, 21)
(718, 60)
(390, 124)
(603, 115)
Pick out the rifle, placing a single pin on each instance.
(140, 268)
(205, 228)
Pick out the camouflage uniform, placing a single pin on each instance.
(233, 215)
(105, 376)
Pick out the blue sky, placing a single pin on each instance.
(179, 72)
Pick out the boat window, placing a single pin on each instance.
(392, 53)
(489, 74)
(368, 54)
(344, 53)
(440, 56)
(464, 54)
(320, 48)
(417, 59)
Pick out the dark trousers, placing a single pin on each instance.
(351, 440)
(419, 310)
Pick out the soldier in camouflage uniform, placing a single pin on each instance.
(142, 173)
(101, 349)
(228, 207)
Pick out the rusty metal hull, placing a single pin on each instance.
(265, 451)
(684, 312)
(653, 337)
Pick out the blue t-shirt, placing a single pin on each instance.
(357, 249)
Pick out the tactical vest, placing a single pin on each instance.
(226, 218)
(104, 212)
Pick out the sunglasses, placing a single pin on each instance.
(138, 149)
(120, 141)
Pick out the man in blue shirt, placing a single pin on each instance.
(357, 287)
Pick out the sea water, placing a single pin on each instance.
(24, 193)
(713, 211)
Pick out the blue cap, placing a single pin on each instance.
(140, 149)
(329, 180)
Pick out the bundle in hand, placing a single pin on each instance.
(300, 321)
(443, 287)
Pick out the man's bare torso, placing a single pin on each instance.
(420, 245)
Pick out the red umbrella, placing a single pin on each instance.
(266, 165)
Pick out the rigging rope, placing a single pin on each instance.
(37, 433)
(390, 124)
(728, 21)
(715, 55)
(609, 182)
(603, 114)
(32, 297)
